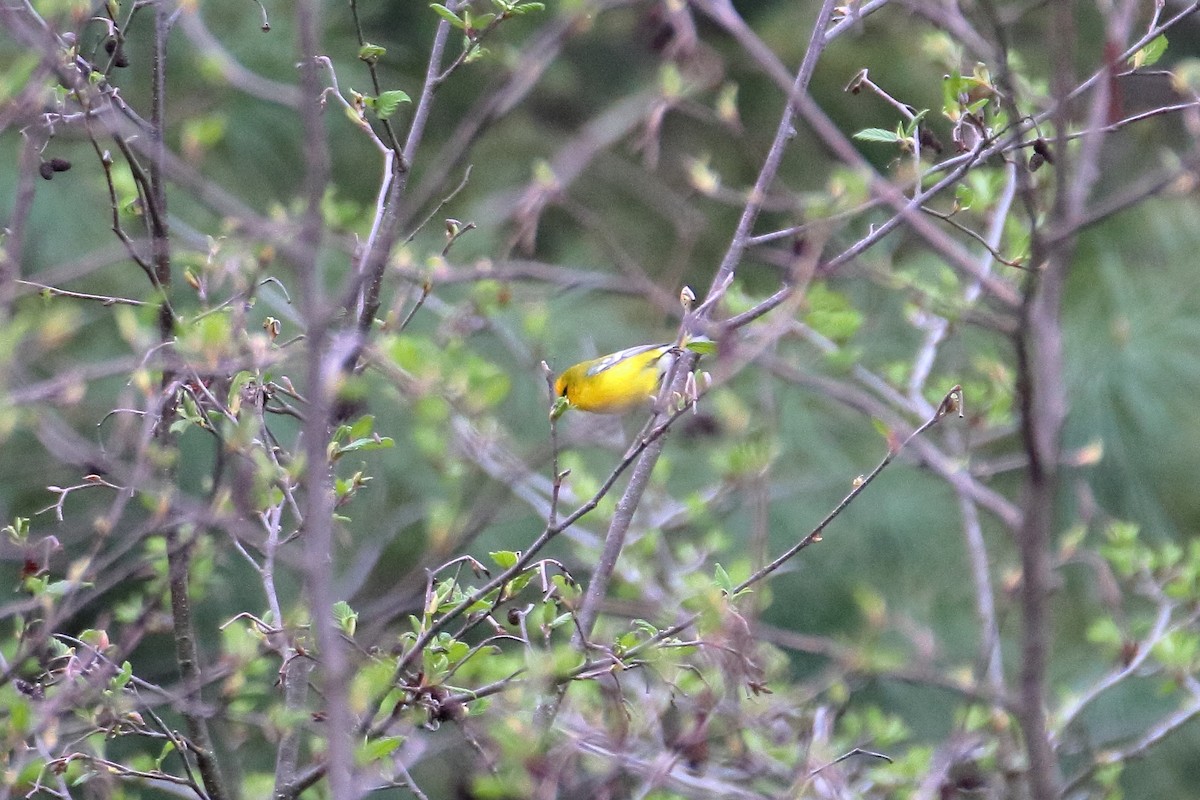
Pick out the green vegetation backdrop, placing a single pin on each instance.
(289, 514)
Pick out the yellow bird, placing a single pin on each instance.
(617, 382)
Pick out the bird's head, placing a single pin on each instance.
(566, 381)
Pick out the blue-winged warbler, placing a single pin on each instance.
(617, 382)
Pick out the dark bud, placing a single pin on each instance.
(661, 37)
(694, 750)
(929, 142)
(30, 689)
(346, 408)
(120, 59)
(110, 45)
(1035, 162)
(661, 28)
(1042, 149)
(700, 426)
(967, 777)
(1129, 651)
(514, 617)
(59, 164)
(671, 722)
(444, 709)
(46, 170)
(856, 83)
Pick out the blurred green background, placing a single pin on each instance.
(1131, 321)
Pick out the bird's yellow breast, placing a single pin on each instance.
(615, 383)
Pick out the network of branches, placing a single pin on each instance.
(282, 300)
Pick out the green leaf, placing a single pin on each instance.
(84, 777)
(436, 665)
(484, 603)
(561, 404)
(20, 715)
(844, 359)
(671, 81)
(377, 749)
(18, 532)
(726, 103)
(346, 617)
(487, 385)
(456, 651)
(831, 315)
(705, 347)
(1178, 650)
(518, 583)
(362, 427)
(167, 748)
(528, 8)
(387, 103)
(911, 126)
(448, 15)
(505, 559)
(478, 23)
(964, 196)
(626, 641)
(723, 581)
(568, 590)
(543, 174)
(976, 107)
(373, 443)
(951, 86)
(1150, 54)
(240, 381)
(371, 53)
(122, 678)
(878, 135)
(1185, 77)
(62, 588)
(1105, 631)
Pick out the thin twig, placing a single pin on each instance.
(950, 403)
(104, 299)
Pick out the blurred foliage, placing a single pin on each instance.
(442, 459)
